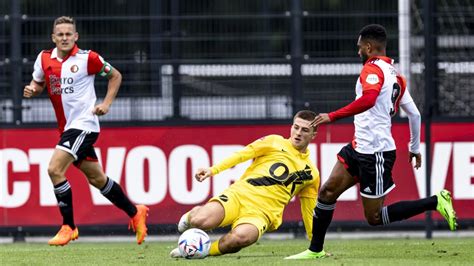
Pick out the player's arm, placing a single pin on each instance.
(115, 79)
(307, 208)
(243, 155)
(37, 83)
(372, 80)
(358, 106)
(33, 89)
(308, 197)
(250, 151)
(414, 121)
(97, 65)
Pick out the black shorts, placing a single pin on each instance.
(79, 144)
(372, 171)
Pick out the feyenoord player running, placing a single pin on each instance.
(68, 74)
(369, 159)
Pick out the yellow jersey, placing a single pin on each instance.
(277, 174)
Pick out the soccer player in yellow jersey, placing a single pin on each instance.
(254, 204)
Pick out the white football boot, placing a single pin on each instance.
(184, 224)
(175, 253)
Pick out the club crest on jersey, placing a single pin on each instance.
(372, 79)
(74, 68)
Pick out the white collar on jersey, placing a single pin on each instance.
(54, 54)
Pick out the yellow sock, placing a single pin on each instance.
(214, 250)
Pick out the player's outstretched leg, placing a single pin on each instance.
(138, 223)
(308, 254)
(65, 234)
(184, 224)
(445, 208)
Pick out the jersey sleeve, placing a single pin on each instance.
(38, 73)
(311, 191)
(253, 150)
(307, 208)
(97, 65)
(308, 196)
(371, 77)
(406, 97)
(364, 103)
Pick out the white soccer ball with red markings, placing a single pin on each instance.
(194, 244)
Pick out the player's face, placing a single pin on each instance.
(363, 50)
(301, 134)
(64, 36)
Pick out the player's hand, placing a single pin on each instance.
(417, 157)
(101, 109)
(320, 119)
(202, 174)
(29, 91)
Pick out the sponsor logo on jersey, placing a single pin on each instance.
(59, 86)
(74, 68)
(372, 79)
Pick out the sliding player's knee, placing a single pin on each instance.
(240, 240)
(199, 220)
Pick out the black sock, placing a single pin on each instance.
(405, 209)
(321, 219)
(63, 194)
(113, 192)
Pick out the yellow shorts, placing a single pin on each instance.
(238, 211)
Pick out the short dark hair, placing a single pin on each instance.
(306, 115)
(63, 20)
(374, 32)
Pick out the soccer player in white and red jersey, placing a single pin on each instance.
(369, 159)
(68, 73)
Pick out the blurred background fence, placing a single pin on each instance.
(210, 60)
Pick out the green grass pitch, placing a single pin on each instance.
(452, 251)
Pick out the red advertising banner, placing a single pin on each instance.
(154, 165)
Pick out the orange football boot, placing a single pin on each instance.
(138, 223)
(65, 234)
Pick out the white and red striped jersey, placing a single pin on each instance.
(373, 127)
(70, 84)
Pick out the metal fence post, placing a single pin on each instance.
(15, 61)
(430, 87)
(296, 54)
(175, 56)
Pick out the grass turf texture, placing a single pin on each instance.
(453, 251)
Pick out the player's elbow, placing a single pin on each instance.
(415, 115)
(116, 76)
(411, 110)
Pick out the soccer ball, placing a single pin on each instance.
(194, 244)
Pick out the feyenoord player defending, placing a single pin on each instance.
(369, 159)
(254, 204)
(68, 73)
